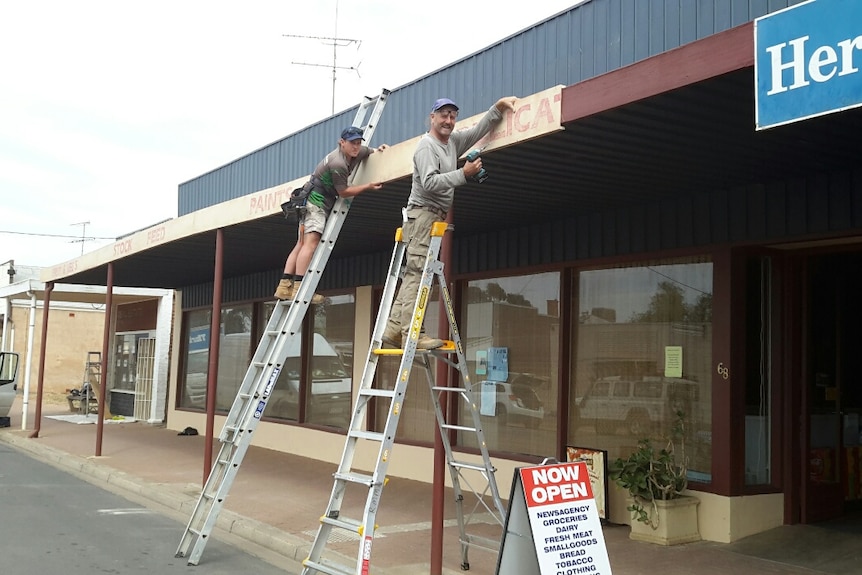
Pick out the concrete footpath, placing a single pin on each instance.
(274, 505)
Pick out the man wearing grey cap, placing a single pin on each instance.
(327, 183)
(435, 177)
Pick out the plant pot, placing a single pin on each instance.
(673, 522)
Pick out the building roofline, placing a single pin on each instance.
(683, 66)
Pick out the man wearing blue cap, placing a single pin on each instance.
(327, 183)
(435, 177)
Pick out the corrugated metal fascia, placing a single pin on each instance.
(755, 214)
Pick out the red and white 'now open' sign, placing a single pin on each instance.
(567, 531)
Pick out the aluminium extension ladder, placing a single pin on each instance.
(346, 476)
(284, 324)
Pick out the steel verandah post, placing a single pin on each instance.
(49, 287)
(215, 342)
(103, 378)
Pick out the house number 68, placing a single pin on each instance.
(722, 371)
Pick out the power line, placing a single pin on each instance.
(53, 235)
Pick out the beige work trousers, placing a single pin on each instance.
(417, 231)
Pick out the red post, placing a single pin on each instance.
(103, 369)
(212, 371)
(49, 287)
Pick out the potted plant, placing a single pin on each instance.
(655, 480)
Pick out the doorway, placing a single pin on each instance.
(832, 385)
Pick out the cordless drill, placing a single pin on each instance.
(482, 175)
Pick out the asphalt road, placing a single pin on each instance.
(51, 522)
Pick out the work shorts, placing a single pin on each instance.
(314, 219)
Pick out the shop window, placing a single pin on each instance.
(331, 365)
(196, 359)
(511, 331)
(234, 355)
(235, 348)
(642, 355)
(328, 381)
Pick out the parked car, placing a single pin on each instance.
(8, 381)
(639, 405)
(517, 401)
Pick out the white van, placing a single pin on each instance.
(8, 381)
(641, 405)
(331, 382)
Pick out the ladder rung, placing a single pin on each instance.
(454, 389)
(465, 465)
(457, 427)
(382, 351)
(370, 435)
(351, 525)
(352, 477)
(448, 346)
(377, 392)
(482, 543)
(329, 569)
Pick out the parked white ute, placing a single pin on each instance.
(8, 381)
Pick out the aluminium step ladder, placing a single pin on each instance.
(87, 396)
(284, 324)
(346, 476)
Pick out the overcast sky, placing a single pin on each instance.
(106, 106)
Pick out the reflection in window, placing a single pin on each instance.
(328, 397)
(197, 343)
(329, 402)
(621, 392)
(284, 401)
(519, 315)
(234, 353)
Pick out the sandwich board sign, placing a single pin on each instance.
(807, 61)
(552, 525)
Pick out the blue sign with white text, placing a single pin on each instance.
(807, 61)
(199, 338)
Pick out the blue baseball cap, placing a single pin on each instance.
(352, 133)
(443, 102)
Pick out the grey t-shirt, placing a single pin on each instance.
(435, 165)
(330, 176)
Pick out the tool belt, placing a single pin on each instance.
(436, 211)
(294, 208)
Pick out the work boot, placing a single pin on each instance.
(317, 299)
(392, 337)
(285, 290)
(425, 342)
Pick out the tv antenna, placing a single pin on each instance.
(336, 43)
(84, 237)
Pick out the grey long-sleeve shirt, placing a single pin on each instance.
(435, 165)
